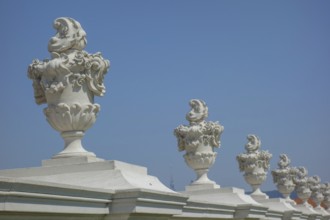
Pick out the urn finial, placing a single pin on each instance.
(253, 143)
(199, 139)
(326, 194)
(67, 83)
(316, 188)
(302, 183)
(283, 177)
(70, 35)
(198, 113)
(255, 164)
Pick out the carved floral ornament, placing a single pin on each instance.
(284, 173)
(69, 64)
(253, 158)
(199, 131)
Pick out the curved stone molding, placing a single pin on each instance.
(199, 139)
(69, 81)
(255, 164)
(283, 177)
(199, 162)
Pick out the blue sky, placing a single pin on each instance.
(262, 67)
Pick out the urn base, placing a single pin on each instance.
(63, 161)
(205, 186)
(257, 194)
(73, 147)
(64, 154)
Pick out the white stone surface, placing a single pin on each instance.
(309, 211)
(23, 198)
(245, 206)
(147, 202)
(206, 210)
(70, 161)
(284, 206)
(204, 186)
(131, 194)
(122, 191)
(112, 175)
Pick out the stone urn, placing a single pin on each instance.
(326, 194)
(302, 185)
(283, 177)
(198, 140)
(67, 83)
(317, 195)
(255, 164)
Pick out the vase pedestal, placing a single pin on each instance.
(61, 161)
(90, 172)
(79, 189)
(72, 146)
(205, 186)
(257, 195)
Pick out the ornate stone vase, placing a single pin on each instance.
(283, 177)
(302, 185)
(326, 194)
(199, 139)
(67, 83)
(316, 188)
(254, 164)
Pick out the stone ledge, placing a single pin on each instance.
(70, 161)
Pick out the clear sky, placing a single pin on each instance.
(262, 67)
